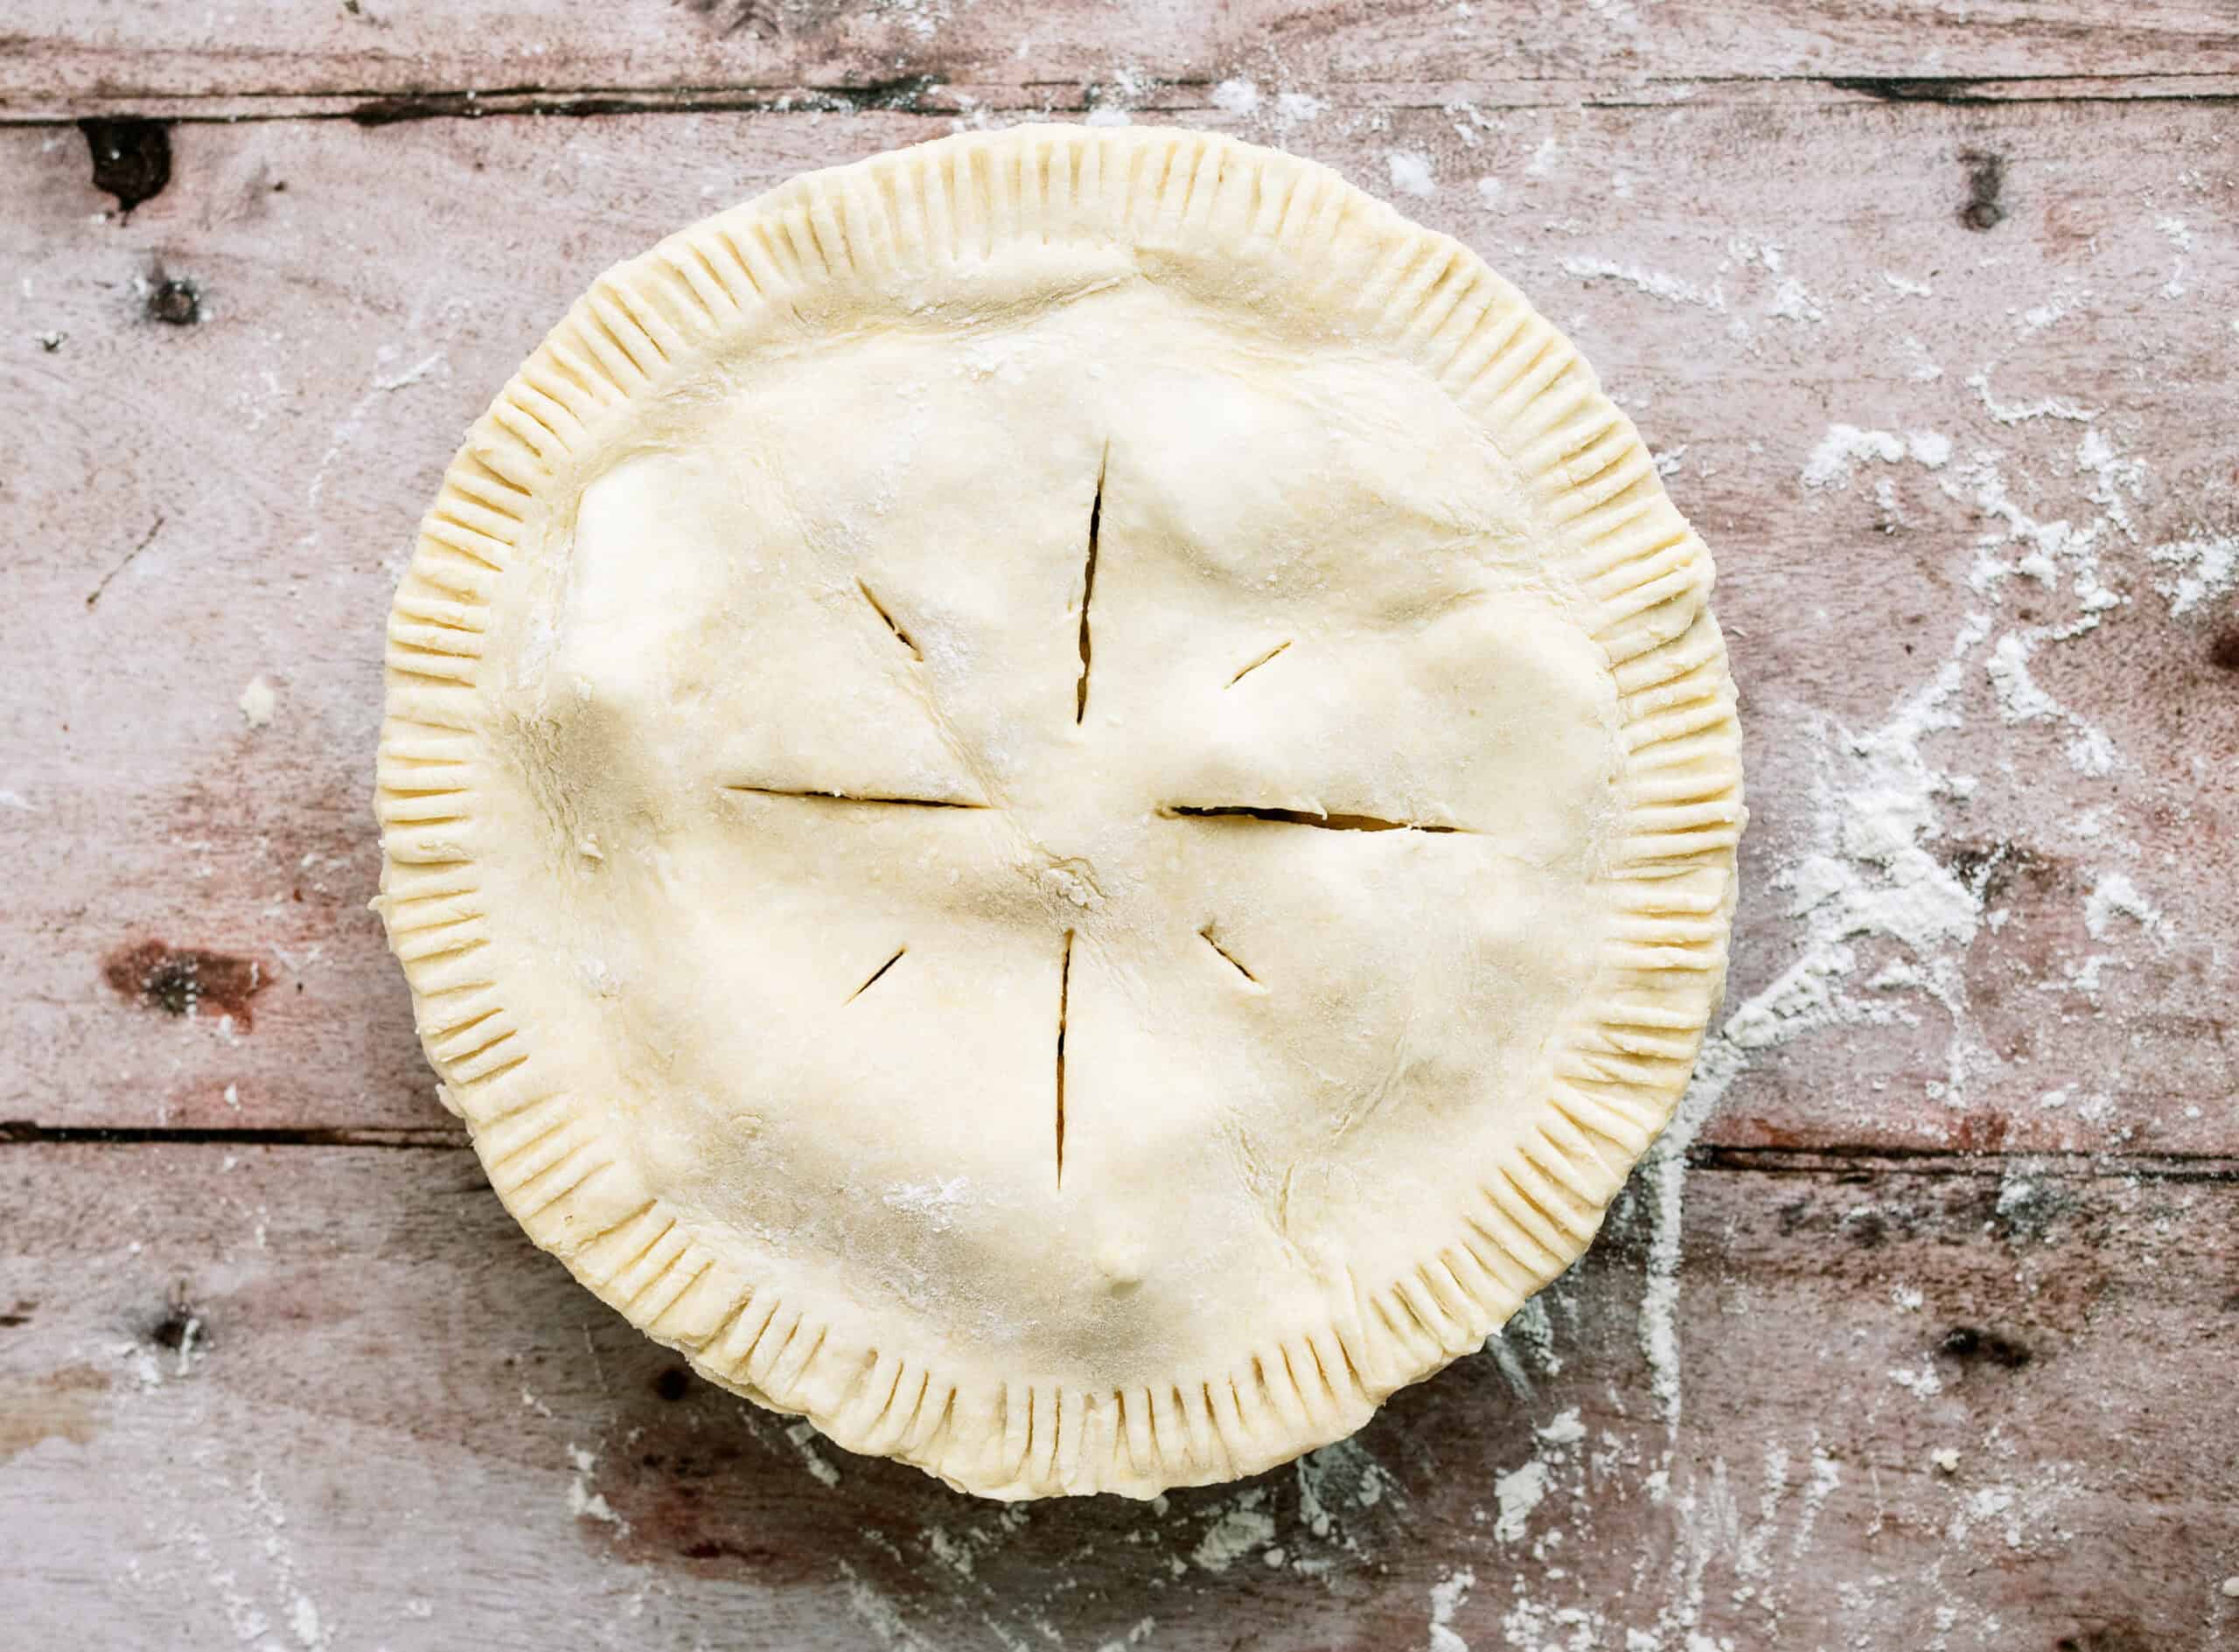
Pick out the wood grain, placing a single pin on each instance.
(70, 58)
(240, 1384)
(238, 488)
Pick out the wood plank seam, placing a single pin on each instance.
(2080, 1165)
(371, 108)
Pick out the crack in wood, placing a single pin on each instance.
(29, 1132)
(1834, 1159)
(375, 107)
(1865, 1159)
(1305, 817)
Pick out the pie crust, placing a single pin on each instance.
(1066, 799)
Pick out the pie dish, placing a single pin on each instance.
(1066, 799)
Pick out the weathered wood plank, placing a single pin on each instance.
(1982, 915)
(63, 56)
(324, 1397)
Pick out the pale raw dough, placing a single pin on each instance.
(1066, 799)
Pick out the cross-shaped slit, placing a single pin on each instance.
(1234, 814)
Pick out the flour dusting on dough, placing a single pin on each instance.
(932, 1201)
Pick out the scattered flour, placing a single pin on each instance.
(1519, 1492)
(2091, 751)
(2019, 412)
(1410, 172)
(1334, 1480)
(803, 1438)
(951, 1553)
(435, 363)
(257, 702)
(1826, 1474)
(922, 17)
(2056, 554)
(2206, 568)
(2181, 238)
(1845, 445)
(1566, 1430)
(1654, 283)
(1111, 101)
(1527, 1337)
(1243, 1529)
(582, 1501)
(1236, 97)
(1793, 302)
(1923, 1384)
(2114, 896)
(1445, 1599)
(877, 1614)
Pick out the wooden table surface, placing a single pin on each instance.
(1917, 1332)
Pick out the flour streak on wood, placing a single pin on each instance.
(1941, 367)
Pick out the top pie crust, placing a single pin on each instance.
(1338, 775)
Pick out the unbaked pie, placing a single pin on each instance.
(1066, 799)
